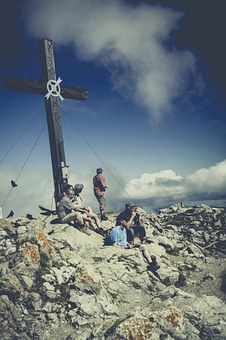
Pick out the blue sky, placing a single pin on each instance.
(155, 119)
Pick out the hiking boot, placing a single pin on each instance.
(85, 230)
(153, 266)
(101, 231)
(104, 218)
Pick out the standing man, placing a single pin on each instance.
(99, 187)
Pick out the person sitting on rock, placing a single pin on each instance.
(84, 209)
(67, 211)
(132, 223)
(118, 238)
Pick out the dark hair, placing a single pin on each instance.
(67, 187)
(130, 205)
(78, 186)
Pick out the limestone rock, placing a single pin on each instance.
(59, 283)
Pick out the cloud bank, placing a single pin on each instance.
(164, 187)
(167, 184)
(132, 42)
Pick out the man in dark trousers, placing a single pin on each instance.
(132, 223)
(99, 187)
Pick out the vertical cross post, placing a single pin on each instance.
(53, 120)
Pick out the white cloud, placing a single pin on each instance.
(150, 185)
(167, 184)
(132, 42)
(35, 188)
(208, 180)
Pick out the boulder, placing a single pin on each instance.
(57, 282)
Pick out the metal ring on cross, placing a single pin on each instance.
(53, 88)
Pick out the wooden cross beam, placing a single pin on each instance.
(49, 86)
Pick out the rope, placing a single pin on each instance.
(19, 137)
(36, 141)
(98, 156)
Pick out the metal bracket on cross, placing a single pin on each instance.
(53, 88)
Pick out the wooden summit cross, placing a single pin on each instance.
(49, 86)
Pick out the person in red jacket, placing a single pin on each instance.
(99, 187)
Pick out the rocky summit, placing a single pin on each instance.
(58, 283)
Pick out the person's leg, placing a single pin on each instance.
(78, 220)
(94, 217)
(98, 199)
(140, 231)
(130, 235)
(102, 203)
(89, 221)
(153, 266)
(73, 216)
(144, 251)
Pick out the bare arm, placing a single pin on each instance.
(103, 183)
(130, 221)
(78, 208)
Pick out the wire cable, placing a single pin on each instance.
(98, 156)
(26, 160)
(19, 137)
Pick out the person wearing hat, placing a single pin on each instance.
(99, 188)
(67, 211)
(82, 208)
(132, 223)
